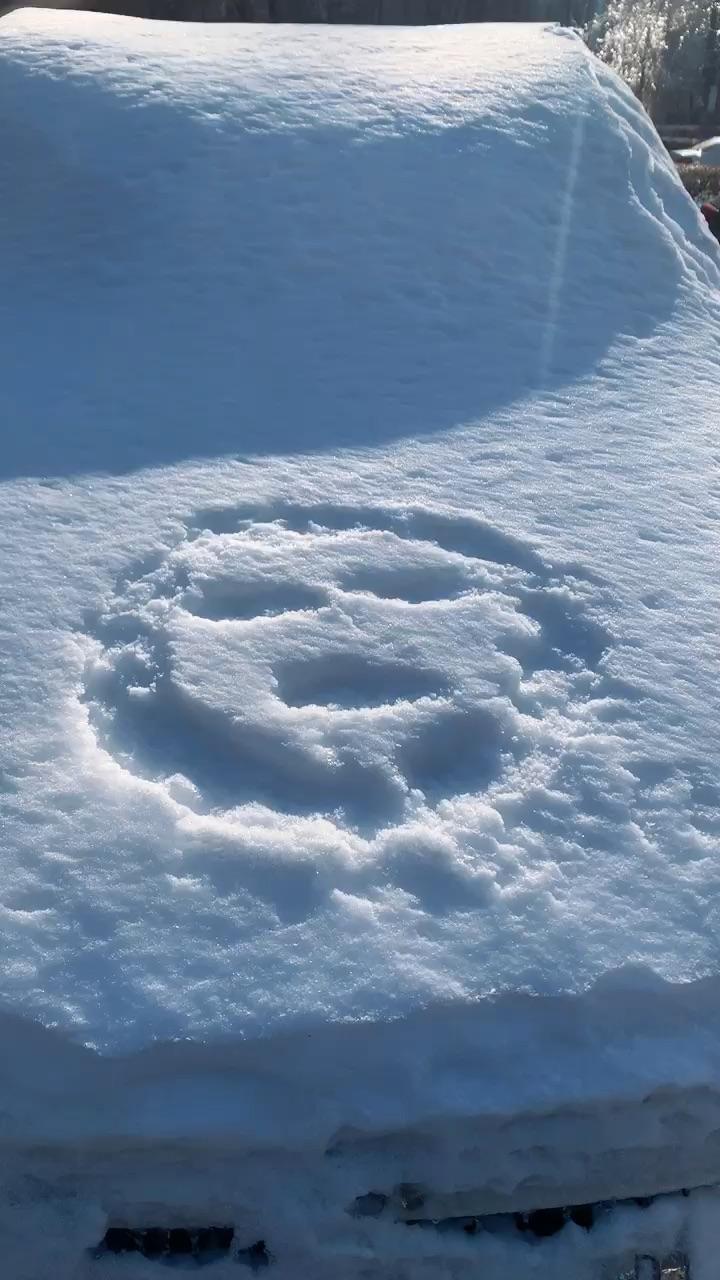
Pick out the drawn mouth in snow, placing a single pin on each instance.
(354, 663)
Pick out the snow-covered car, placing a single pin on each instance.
(360, 695)
(704, 153)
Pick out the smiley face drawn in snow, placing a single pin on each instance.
(348, 662)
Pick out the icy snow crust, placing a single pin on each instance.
(358, 566)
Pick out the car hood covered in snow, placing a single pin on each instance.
(360, 698)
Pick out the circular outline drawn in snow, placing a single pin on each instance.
(353, 663)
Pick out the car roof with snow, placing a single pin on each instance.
(359, 553)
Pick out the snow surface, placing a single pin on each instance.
(358, 567)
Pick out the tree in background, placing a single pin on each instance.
(663, 48)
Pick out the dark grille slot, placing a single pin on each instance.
(204, 1244)
(405, 1204)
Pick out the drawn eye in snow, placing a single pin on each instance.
(351, 662)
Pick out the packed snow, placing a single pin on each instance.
(360, 702)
